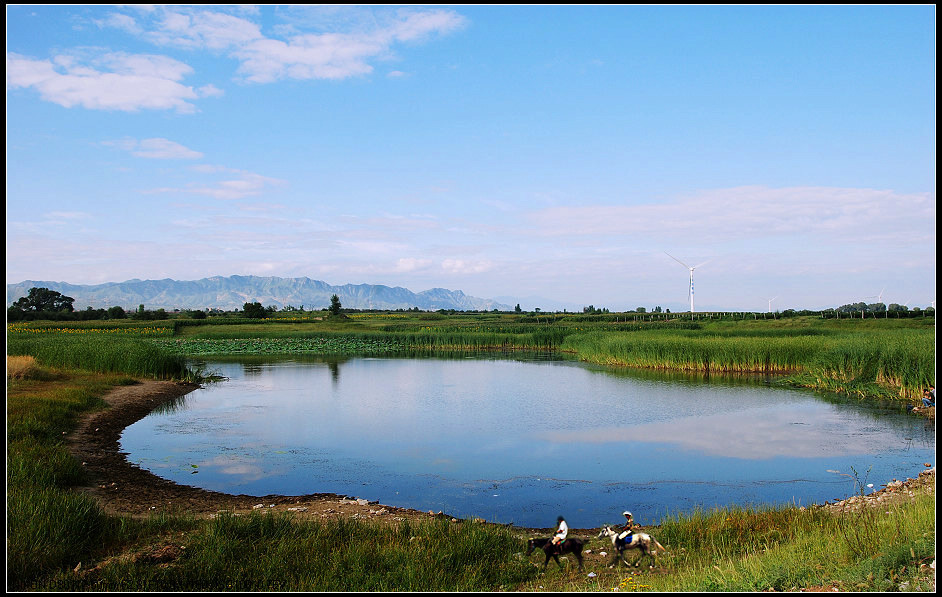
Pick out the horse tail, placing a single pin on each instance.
(657, 545)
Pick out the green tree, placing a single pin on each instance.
(254, 310)
(334, 305)
(43, 299)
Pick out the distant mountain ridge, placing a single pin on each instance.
(232, 292)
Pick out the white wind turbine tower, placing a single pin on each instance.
(690, 292)
(770, 303)
(879, 298)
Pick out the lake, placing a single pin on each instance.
(523, 439)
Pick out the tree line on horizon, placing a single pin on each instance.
(46, 304)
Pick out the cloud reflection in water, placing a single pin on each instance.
(752, 434)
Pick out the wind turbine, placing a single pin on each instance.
(770, 303)
(879, 298)
(690, 293)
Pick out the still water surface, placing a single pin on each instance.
(522, 440)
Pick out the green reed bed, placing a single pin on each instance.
(274, 340)
(694, 352)
(105, 353)
(896, 363)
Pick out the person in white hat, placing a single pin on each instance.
(625, 535)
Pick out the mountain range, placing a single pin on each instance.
(232, 292)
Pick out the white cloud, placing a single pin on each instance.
(465, 266)
(121, 21)
(156, 148)
(411, 264)
(115, 81)
(411, 26)
(328, 56)
(189, 28)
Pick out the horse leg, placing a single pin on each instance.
(578, 557)
(648, 552)
(558, 563)
(619, 557)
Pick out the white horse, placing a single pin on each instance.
(642, 541)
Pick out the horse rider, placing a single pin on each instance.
(561, 531)
(625, 535)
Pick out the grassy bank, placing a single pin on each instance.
(889, 361)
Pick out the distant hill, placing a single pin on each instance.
(229, 293)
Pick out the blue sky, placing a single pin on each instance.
(558, 152)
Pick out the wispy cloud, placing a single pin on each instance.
(243, 184)
(156, 148)
(752, 212)
(344, 50)
(199, 29)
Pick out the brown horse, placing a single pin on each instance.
(573, 546)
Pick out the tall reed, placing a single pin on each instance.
(900, 361)
(99, 352)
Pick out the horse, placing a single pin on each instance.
(573, 546)
(642, 541)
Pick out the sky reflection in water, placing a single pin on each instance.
(521, 441)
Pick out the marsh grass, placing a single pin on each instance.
(99, 352)
(786, 548)
(896, 363)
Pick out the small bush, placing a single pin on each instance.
(22, 367)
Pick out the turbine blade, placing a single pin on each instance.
(677, 260)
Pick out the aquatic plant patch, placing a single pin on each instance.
(317, 345)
